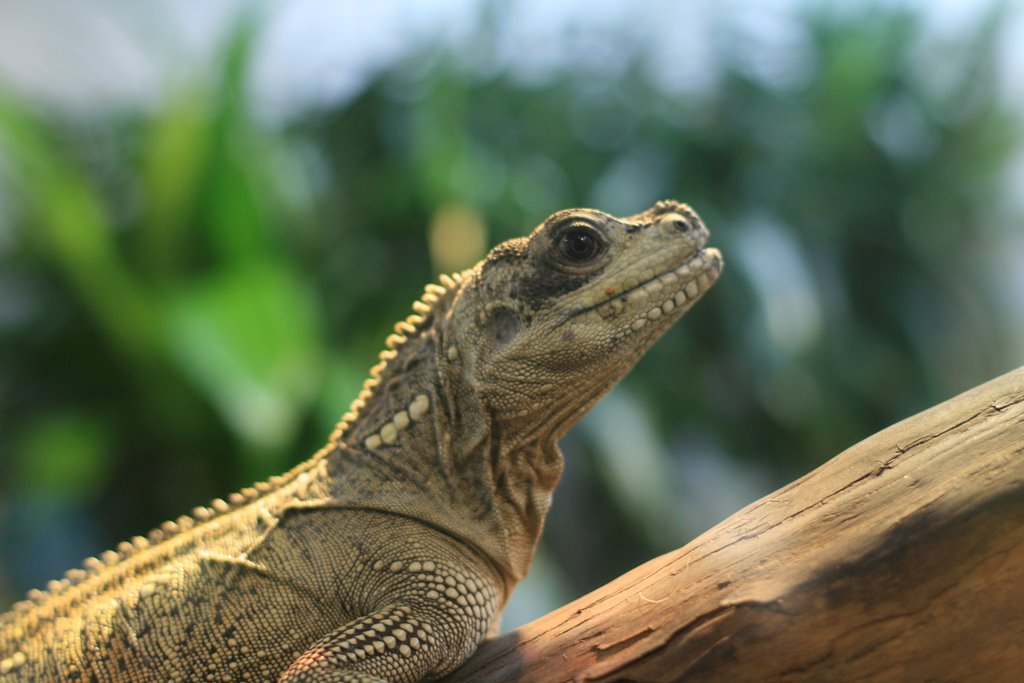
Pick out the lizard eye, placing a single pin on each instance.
(580, 245)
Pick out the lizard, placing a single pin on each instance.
(390, 553)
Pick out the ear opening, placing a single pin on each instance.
(505, 324)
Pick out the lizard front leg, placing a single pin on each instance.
(388, 646)
(436, 618)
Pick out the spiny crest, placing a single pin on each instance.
(412, 325)
(166, 531)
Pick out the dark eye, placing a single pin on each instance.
(580, 245)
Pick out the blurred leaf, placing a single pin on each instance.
(250, 339)
(74, 230)
(192, 252)
(64, 455)
(238, 200)
(176, 153)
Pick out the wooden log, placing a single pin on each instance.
(900, 559)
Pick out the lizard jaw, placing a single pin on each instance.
(678, 287)
(672, 293)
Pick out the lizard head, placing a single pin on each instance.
(500, 360)
(547, 324)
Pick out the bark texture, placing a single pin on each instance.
(902, 558)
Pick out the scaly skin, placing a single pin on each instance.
(389, 554)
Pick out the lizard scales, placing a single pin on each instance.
(389, 554)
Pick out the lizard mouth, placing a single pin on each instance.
(677, 287)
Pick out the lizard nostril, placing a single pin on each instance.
(675, 223)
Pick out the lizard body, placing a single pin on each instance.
(390, 553)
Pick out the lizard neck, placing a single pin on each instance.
(509, 471)
(422, 441)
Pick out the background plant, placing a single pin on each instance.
(191, 293)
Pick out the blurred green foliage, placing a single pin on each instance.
(191, 297)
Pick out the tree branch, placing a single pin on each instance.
(902, 558)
